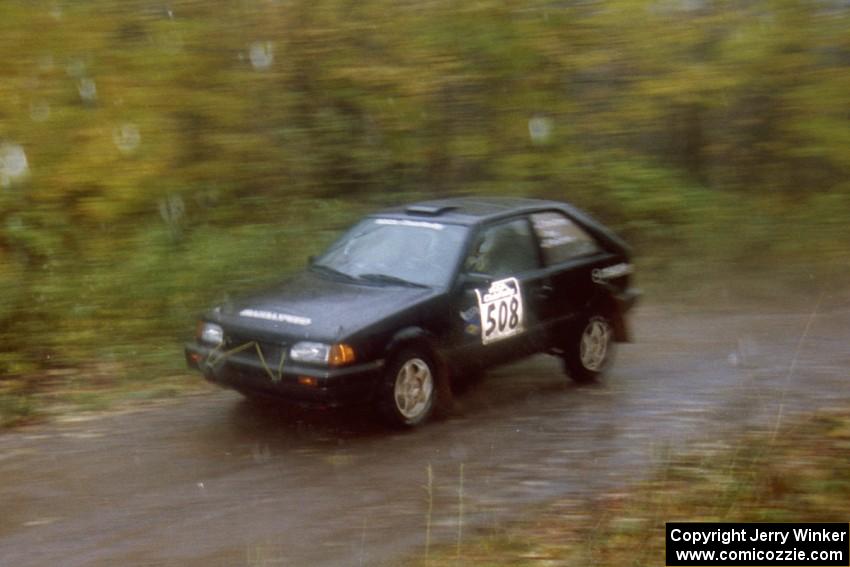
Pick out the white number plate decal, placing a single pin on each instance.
(502, 315)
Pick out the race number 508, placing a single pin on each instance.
(501, 310)
(502, 316)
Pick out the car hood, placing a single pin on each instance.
(310, 306)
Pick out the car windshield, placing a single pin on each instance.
(395, 252)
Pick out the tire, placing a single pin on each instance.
(591, 350)
(409, 390)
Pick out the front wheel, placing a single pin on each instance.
(590, 352)
(409, 388)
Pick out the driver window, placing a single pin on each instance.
(504, 249)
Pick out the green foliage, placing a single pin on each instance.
(154, 157)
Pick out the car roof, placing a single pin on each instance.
(467, 210)
(470, 211)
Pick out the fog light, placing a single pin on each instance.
(308, 381)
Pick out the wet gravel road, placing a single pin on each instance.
(213, 480)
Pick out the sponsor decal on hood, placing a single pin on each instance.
(276, 316)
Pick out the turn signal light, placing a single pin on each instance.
(341, 354)
(308, 381)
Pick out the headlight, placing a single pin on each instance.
(310, 352)
(321, 353)
(210, 333)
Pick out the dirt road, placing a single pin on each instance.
(213, 480)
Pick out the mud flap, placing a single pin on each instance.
(624, 301)
(444, 403)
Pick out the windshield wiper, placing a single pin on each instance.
(388, 279)
(332, 272)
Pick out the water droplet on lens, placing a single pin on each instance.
(87, 89)
(540, 129)
(261, 55)
(127, 138)
(13, 164)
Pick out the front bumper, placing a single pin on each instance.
(246, 373)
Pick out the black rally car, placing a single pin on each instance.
(413, 297)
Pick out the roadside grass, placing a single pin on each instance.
(798, 473)
(97, 387)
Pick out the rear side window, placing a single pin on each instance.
(560, 238)
(504, 249)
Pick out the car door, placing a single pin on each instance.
(500, 291)
(569, 255)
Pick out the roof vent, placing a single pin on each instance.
(429, 209)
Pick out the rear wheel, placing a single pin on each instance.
(591, 350)
(409, 388)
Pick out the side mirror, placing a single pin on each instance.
(311, 259)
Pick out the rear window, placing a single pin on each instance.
(560, 238)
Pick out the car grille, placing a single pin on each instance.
(271, 351)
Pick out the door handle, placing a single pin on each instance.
(545, 291)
